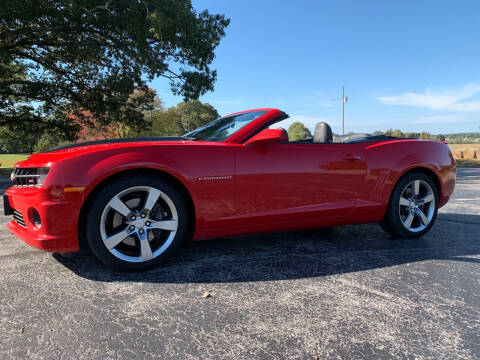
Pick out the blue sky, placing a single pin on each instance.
(413, 65)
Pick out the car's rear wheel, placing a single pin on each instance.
(413, 206)
(136, 222)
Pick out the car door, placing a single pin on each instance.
(298, 181)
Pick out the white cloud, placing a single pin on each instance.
(450, 100)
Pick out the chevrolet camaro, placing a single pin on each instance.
(133, 201)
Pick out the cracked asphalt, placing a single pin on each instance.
(348, 292)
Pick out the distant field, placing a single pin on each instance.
(463, 146)
(465, 154)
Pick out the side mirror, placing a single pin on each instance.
(268, 136)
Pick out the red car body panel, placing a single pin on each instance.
(235, 188)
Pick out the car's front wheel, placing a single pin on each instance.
(136, 222)
(413, 206)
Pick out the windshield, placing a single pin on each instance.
(221, 129)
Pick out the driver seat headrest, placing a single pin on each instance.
(323, 133)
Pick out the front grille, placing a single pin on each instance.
(26, 177)
(17, 215)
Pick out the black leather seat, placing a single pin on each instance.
(323, 133)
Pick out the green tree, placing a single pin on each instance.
(397, 133)
(425, 135)
(412, 134)
(298, 131)
(183, 118)
(167, 123)
(49, 140)
(378, 132)
(60, 58)
(194, 114)
(14, 141)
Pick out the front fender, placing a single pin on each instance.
(109, 166)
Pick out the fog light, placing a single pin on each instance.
(34, 218)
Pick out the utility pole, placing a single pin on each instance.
(344, 100)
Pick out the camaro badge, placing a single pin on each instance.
(208, 178)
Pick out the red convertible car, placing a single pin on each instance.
(133, 201)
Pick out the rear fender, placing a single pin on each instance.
(389, 161)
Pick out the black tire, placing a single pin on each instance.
(111, 190)
(392, 221)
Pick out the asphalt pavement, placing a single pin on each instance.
(346, 292)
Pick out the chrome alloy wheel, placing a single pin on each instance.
(417, 205)
(138, 224)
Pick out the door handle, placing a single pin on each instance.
(352, 157)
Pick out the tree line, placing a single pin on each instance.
(71, 67)
(424, 135)
(158, 121)
(298, 131)
(453, 138)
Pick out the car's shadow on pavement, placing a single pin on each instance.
(299, 254)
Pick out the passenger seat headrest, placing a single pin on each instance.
(323, 133)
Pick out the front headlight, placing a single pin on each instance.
(42, 175)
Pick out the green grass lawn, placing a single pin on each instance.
(8, 161)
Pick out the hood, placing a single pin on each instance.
(116, 141)
(45, 159)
